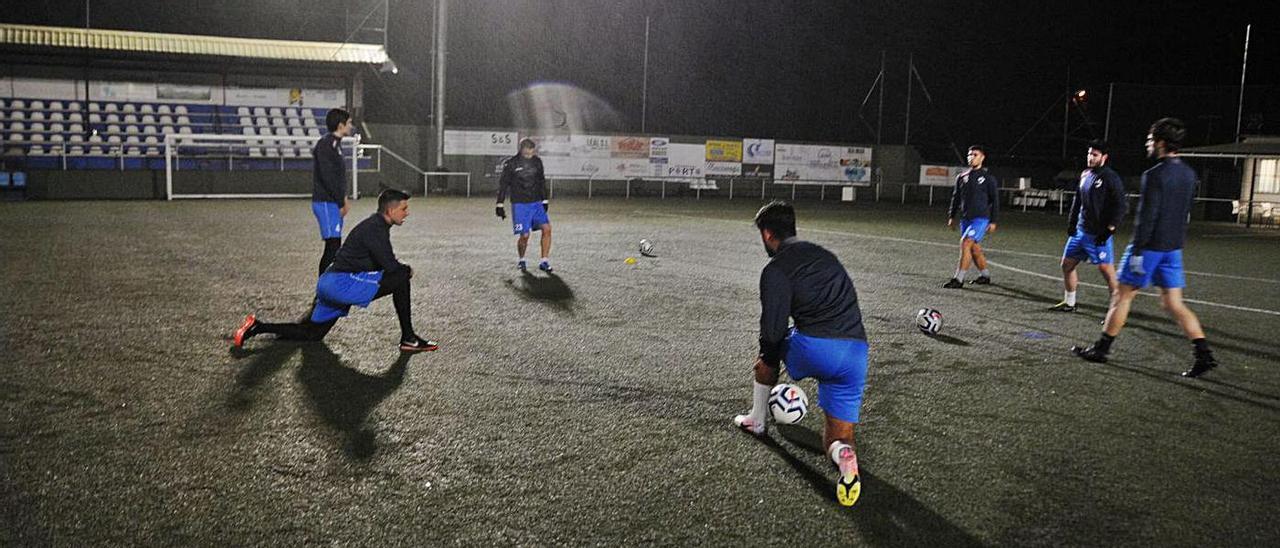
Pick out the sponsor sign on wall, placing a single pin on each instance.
(480, 143)
(724, 151)
(822, 164)
(685, 161)
(939, 175)
(629, 147)
(757, 151)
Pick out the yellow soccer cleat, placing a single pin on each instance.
(848, 489)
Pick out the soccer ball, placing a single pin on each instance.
(929, 321)
(646, 248)
(788, 404)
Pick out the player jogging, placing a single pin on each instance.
(329, 183)
(1096, 211)
(807, 283)
(976, 198)
(365, 269)
(1155, 254)
(524, 180)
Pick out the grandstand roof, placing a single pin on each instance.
(1250, 147)
(189, 44)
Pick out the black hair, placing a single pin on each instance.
(335, 118)
(1170, 130)
(391, 196)
(1099, 145)
(779, 217)
(978, 148)
(527, 143)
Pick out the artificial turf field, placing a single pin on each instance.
(594, 406)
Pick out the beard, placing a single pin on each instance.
(769, 252)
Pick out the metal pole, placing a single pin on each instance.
(644, 87)
(86, 14)
(1244, 69)
(880, 110)
(442, 13)
(1066, 113)
(1253, 186)
(906, 137)
(168, 166)
(355, 170)
(1111, 92)
(731, 187)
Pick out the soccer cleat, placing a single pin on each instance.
(849, 486)
(545, 267)
(981, 280)
(749, 424)
(242, 333)
(418, 344)
(1063, 307)
(1203, 363)
(522, 266)
(953, 283)
(1090, 354)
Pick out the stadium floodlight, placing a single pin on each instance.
(389, 66)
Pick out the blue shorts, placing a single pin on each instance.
(839, 365)
(329, 216)
(974, 229)
(526, 216)
(1162, 268)
(1081, 247)
(337, 291)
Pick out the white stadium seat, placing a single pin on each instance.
(113, 118)
(297, 132)
(131, 129)
(246, 121)
(180, 109)
(37, 105)
(184, 130)
(95, 107)
(164, 109)
(76, 128)
(132, 139)
(166, 119)
(149, 130)
(113, 128)
(278, 122)
(56, 127)
(37, 115)
(184, 120)
(146, 109)
(74, 106)
(18, 104)
(37, 137)
(36, 126)
(111, 107)
(77, 138)
(314, 132)
(17, 137)
(242, 111)
(275, 111)
(75, 117)
(154, 152)
(131, 118)
(56, 138)
(113, 139)
(263, 121)
(56, 116)
(17, 115)
(96, 151)
(295, 122)
(95, 118)
(95, 138)
(149, 119)
(259, 111)
(151, 140)
(17, 126)
(129, 107)
(166, 129)
(55, 105)
(36, 150)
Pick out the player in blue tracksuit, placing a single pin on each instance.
(1096, 212)
(1155, 254)
(976, 199)
(329, 183)
(526, 182)
(808, 284)
(365, 269)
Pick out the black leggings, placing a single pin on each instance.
(331, 246)
(394, 283)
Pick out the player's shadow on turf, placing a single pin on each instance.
(343, 397)
(265, 362)
(885, 515)
(549, 289)
(948, 339)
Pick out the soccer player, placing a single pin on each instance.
(808, 284)
(1155, 254)
(329, 183)
(364, 269)
(977, 199)
(523, 178)
(1096, 211)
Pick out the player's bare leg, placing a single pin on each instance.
(966, 256)
(522, 244)
(1070, 280)
(545, 242)
(837, 437)
(980, 261)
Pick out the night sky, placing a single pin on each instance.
(788, 69)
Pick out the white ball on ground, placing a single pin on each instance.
(788, 403)
(646, 248)
(929, 321)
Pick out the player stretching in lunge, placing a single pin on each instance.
(1096, 212)
(1155, 254)
(976, 198)
(524, 179)
(329, 183)
(365, 269)
(808, 284)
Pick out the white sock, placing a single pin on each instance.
(520, 259)
(759, 401)
(959, 274)
(546, 260)
(1069, 297)
(834, 451)
(984, 272)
